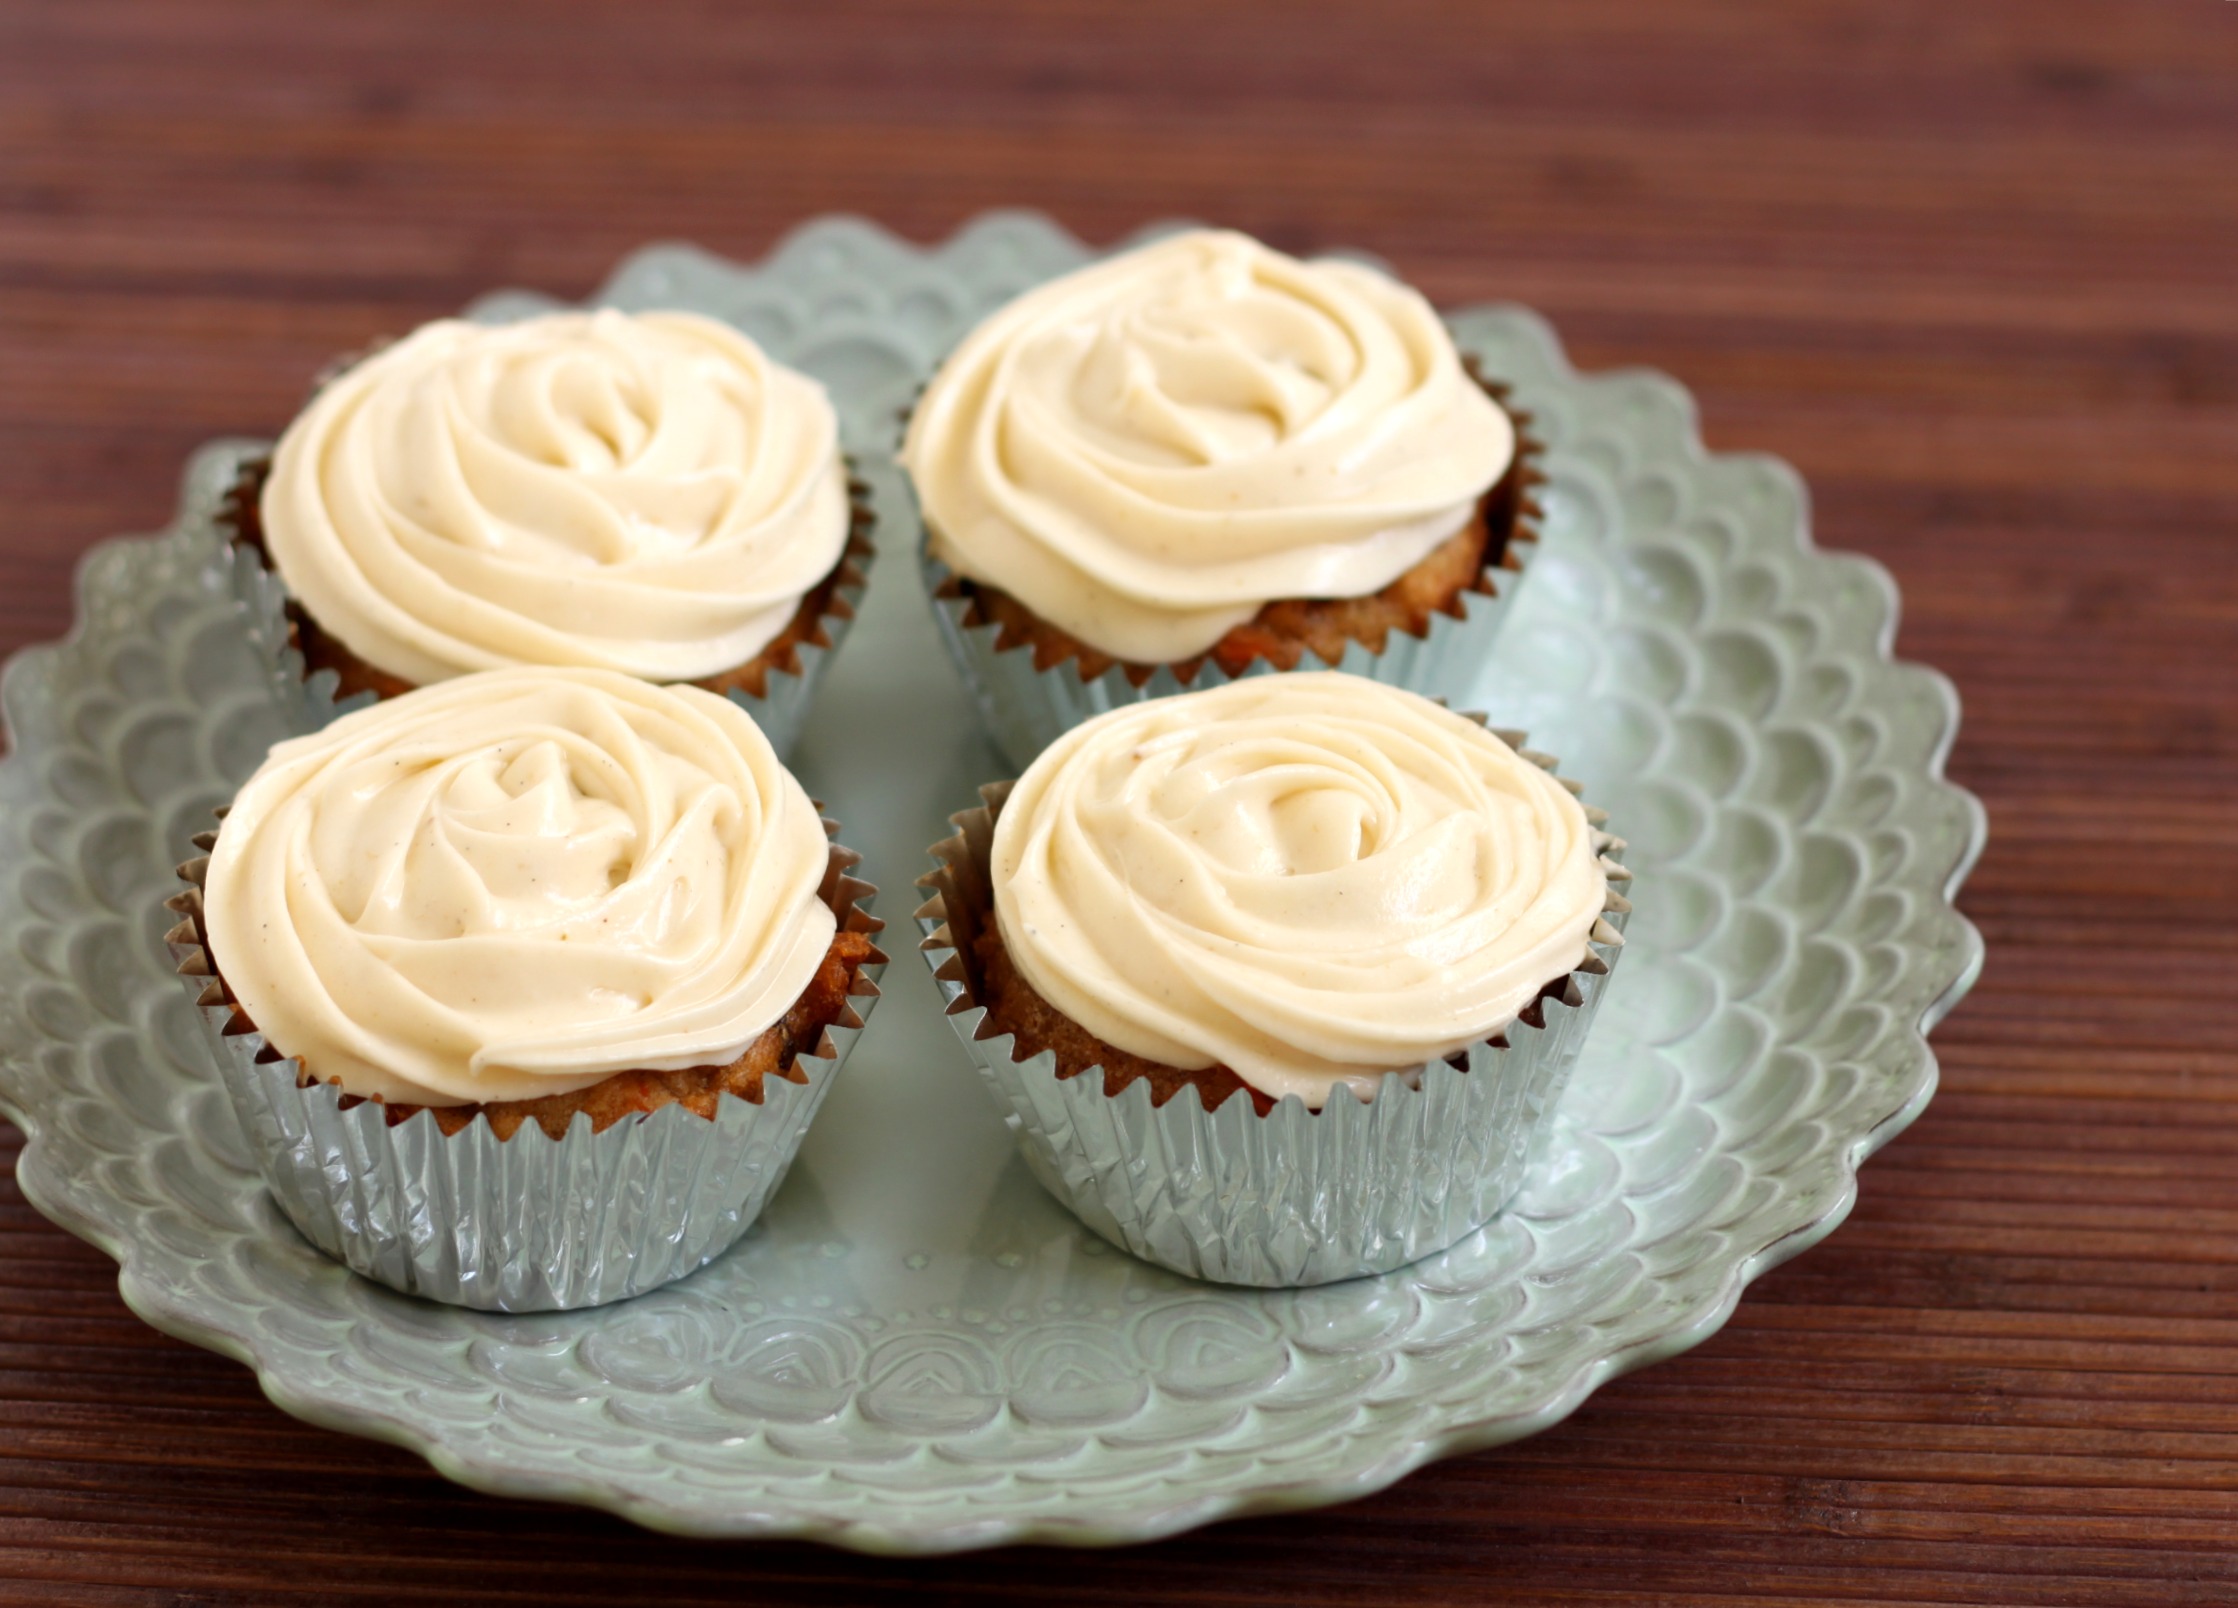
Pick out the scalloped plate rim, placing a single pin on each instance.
(54, 1197)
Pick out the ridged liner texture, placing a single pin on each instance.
(1295, 1197)
(916, 1349)
(1026, 709)
(782, 708)
(527, 1223)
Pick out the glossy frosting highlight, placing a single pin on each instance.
(513, 884)
(1150, 449)
(1312, 879)
(647, 493)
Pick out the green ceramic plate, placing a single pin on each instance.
(916, 1350)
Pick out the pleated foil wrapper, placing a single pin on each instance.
(529, 1223)
(781, 710)
(1296, 1197)
(1026, 709)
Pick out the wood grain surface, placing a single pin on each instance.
(1974, 268)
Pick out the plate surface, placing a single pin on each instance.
(917, 1350)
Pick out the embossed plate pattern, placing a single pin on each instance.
(916, 1350)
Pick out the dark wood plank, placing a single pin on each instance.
(1971, 268)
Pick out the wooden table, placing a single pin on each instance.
(1974, 269)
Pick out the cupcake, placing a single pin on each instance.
(525, 985)
(1279, 981)
(647, 493)
(1201, 459)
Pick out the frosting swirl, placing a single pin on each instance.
(513, 884)
(646, 493)
(1310, 878)
(1149, 450)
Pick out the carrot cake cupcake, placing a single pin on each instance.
(1202, 457)
(526, 984)
(647, 493)
(1278, 980)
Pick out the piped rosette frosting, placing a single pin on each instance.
(1149, 450)
(647, 493)
(517, 883)
(1312, 879)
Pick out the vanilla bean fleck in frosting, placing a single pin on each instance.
(1311, 879)
(1147, 451)
(647, 493)
(513, 884)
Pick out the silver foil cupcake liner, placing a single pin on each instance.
(781, 709)
(528, 1223)
(1295, 1197)
(1025, 709)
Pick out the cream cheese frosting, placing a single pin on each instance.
(1312, 879)
(513, 884)
(646, 492)
(1149, 450)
